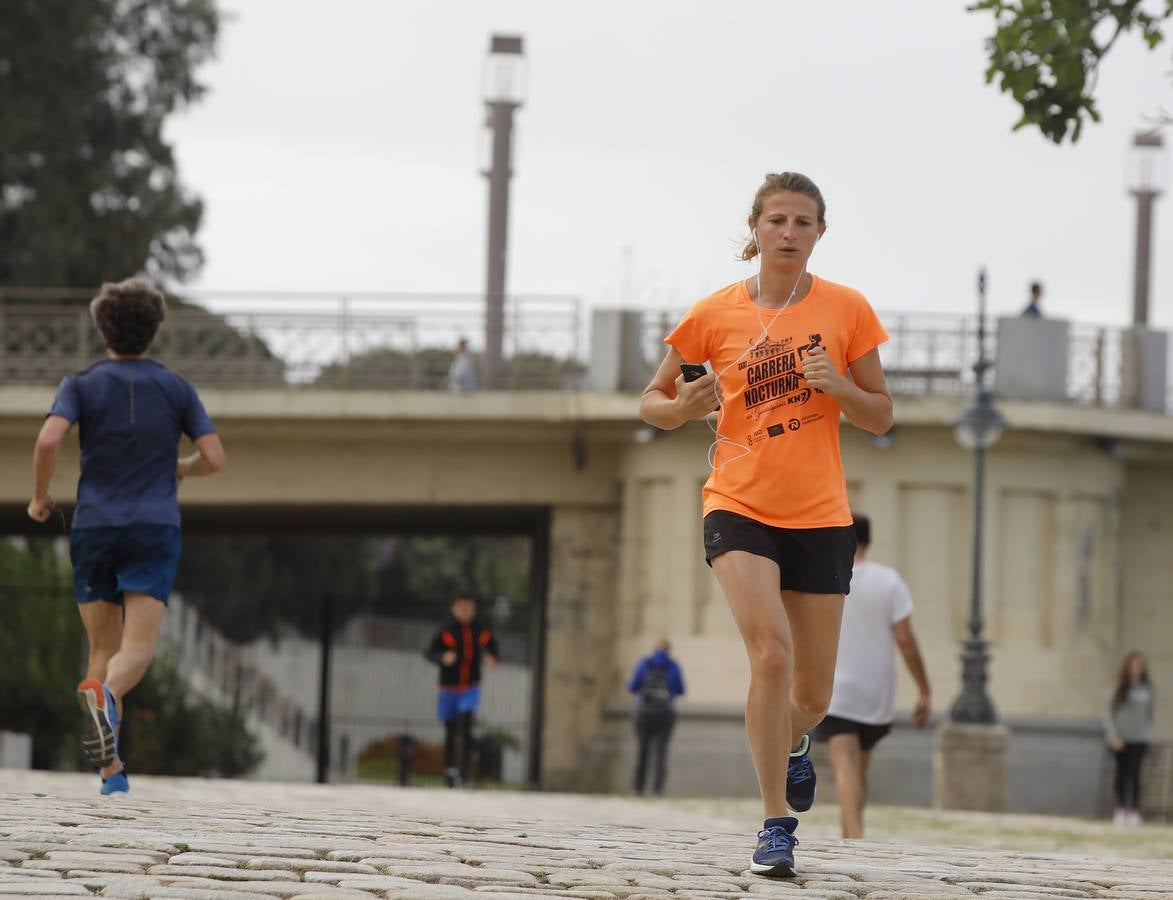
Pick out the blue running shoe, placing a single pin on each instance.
(116, 785)
(774, 857)
(100, 738)
(800, 778)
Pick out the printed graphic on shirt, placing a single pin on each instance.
(792, 474)
(773, 381)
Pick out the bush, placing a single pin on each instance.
(42, 657)
(169, 731)
(42, 651)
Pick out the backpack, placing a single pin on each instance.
(654, 692)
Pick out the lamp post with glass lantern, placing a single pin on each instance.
(1145, 184)
(977, 428)
(503, 86)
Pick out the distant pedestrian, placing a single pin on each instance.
(1033, 310)
(462, 374)
(124, 545)
(656, 683)
(1129, 730)
(459, 649)
(877, 620)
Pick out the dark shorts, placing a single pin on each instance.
(108, 562)
(812, 560)
(869, 735)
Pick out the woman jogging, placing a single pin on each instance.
(789, 352)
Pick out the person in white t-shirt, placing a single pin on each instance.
(877, 620)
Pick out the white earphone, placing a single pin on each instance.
(714, 448)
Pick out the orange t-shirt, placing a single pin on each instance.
(787, 470)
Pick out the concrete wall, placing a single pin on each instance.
(1051, 596)
(580, 631)
(1145, 620)
(1077, 568)
(1057, 766)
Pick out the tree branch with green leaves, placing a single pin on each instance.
(1046, 54)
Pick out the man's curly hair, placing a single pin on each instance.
(128, 314)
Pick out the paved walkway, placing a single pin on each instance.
(221, 839)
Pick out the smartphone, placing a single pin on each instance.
(693, 371)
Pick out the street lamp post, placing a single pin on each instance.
(977, 428)
(502, 88)
(1145, 185)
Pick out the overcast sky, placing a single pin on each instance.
(340, 145)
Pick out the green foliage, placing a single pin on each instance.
(388, 368)
(249, 584)
(542, 371)
(169, 731)
(422, 573)
(88, 185)
(427, 369)
(42, 657)
(1047, 54)
(42, 651)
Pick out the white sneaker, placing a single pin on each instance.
(1120, 817)
(1133, 817)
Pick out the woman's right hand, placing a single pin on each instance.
(696, 399)
(1116, 746)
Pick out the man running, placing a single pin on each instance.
(877, 620)
(125, 543)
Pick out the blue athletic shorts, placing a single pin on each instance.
(108, 562)
(454, 702)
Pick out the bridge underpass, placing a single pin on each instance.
(303, 464)
(326, 703)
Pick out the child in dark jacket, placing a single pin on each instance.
(459, 649)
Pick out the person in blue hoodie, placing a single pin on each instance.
(656, 683)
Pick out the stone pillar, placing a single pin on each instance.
(1143, 368)
(1032, 359)
(617, 362)
(969, 767)
(16, 750)
(580, 633)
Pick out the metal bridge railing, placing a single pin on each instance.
(255, 339)
(405, 341)
(934, 353)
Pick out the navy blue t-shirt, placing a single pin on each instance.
(130, 415)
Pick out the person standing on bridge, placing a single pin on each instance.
(124, 545)
(789, 353)
(459, 648)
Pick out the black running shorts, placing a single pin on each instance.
(812, 560)
(869, 735)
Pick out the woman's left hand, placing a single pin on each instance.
(821, 373)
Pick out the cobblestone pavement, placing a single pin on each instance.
(219, 839)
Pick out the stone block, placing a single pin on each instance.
(1032, 359)
(16, 750)
(969, 767)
